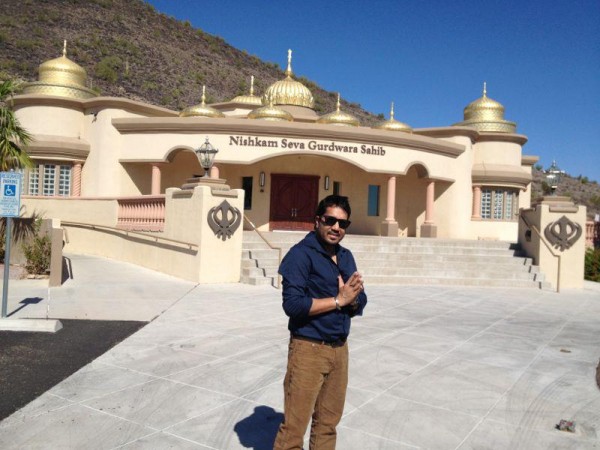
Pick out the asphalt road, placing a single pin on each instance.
(32, 363)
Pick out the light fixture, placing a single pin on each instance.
(553, 177)
(326, 184)
(261, 181)
(206, 155)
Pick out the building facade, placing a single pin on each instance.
(466, 180)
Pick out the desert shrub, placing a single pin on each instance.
(592, 264)
(108, 68)
(37, 252)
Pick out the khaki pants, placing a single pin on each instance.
(314, 385)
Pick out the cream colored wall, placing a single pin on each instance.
(498, 152)
(495, 230)
(94, 211)
(525, 196)
(453, 201)
(52, 121)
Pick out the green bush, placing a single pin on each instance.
(37, 252)
(108, 68)
(592, 264)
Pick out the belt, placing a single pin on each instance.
(339, 343)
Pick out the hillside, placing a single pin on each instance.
(129, 49)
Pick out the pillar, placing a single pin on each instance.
(76, 192)
(214, 172)
(155, 189)
(476, 203)
(389, 227)
(429, 229)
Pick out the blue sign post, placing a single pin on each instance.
(10, 206)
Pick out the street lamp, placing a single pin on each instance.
(206, 155)
(553, 177)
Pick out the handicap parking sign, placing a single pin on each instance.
(10, 190)
(10, 194)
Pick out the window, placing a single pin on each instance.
(49, 180)
(247, 187)
(337, 188)
(499, 204)
(373, 201)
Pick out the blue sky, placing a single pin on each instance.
(540, 59)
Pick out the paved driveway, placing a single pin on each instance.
(431, 367)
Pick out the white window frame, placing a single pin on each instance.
(39, 181)
(499, 204)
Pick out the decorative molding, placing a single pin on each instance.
(500, 175)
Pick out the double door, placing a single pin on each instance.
(294, 199)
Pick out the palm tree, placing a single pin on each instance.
(13, 137)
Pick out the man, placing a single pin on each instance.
(321, 292)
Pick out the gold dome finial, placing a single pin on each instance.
(288, 71)
(339, 117)
(201, 110)
(289, 91)
(486, 114)
(61, 77)
(393, 124)
(249, 99)
(271, 113)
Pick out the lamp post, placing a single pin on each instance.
(553, 177)
(206, 155)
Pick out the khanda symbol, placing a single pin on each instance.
(562, 233)
(224, 220)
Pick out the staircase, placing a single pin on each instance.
(383, 260)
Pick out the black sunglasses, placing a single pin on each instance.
(331, 221)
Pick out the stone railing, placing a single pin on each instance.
(592, 234)
(144, 213)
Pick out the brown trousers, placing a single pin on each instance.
(314, 385)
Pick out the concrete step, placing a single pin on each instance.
(375, 280)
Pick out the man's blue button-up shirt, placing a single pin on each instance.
(309, 272)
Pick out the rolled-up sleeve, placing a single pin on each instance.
(295, 270)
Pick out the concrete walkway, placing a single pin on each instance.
(431, 367)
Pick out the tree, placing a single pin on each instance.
(13, 137)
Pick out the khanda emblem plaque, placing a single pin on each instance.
(224, 220)
(563, 233)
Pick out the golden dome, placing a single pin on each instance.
(201, 110)
(289, 91)
(61, 77)
(485, 114)
(393, 124)
(339, 118)
(249, 99)
(271, 112)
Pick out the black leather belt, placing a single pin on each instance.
(339, 343)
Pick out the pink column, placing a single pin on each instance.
(391, 199)
(76, 191)
(214, 172)
(476, 202)
(429, 206)
(155, 189)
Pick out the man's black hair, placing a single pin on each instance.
(333, 200)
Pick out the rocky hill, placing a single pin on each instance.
(131, 50)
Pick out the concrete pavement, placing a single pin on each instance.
(431, 367)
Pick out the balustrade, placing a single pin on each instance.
(144, 213)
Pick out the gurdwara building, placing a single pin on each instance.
(466, 180)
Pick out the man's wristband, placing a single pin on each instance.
(337, 304)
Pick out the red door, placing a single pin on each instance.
(294, 199)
